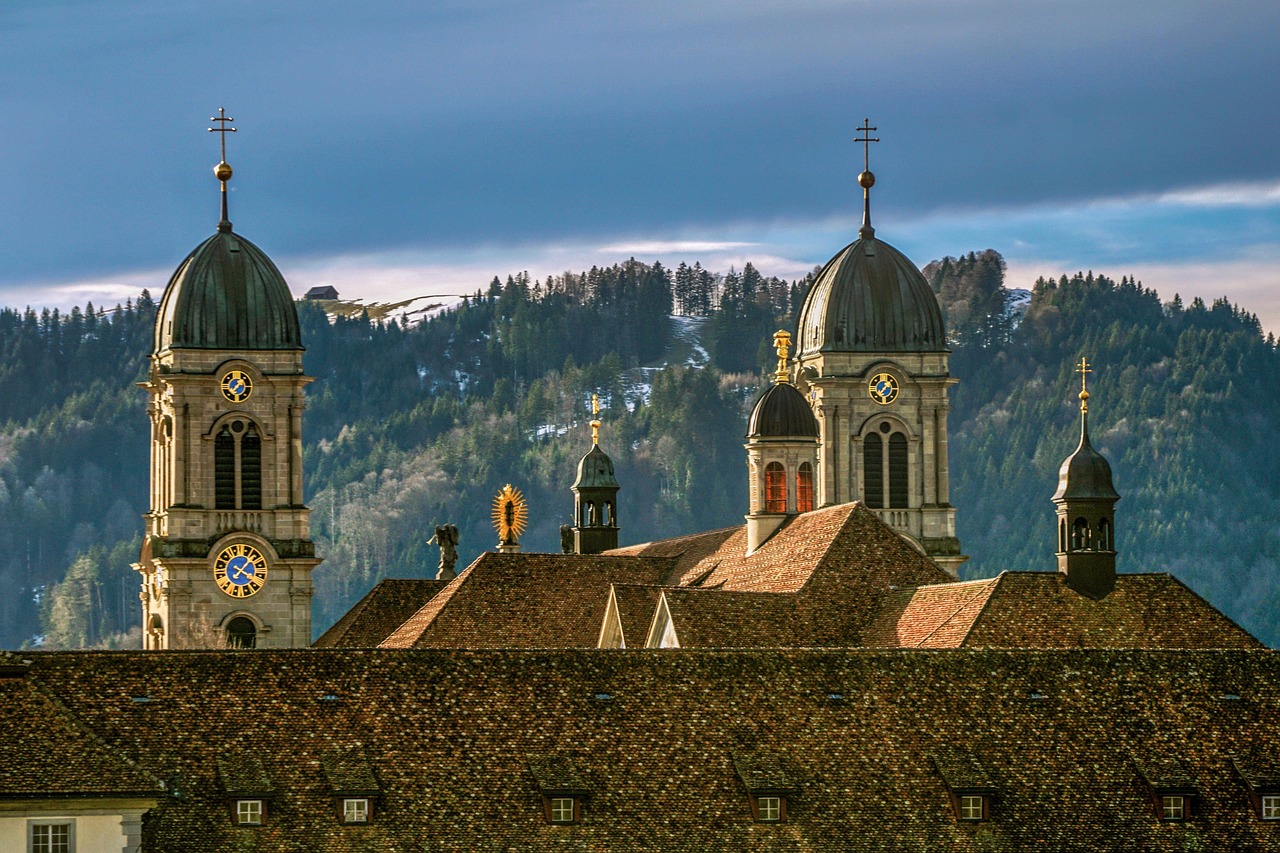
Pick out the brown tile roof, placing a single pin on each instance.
(382, 610)
(937, 617)
(1038, 610)
(452, 735)
(713, 618)
(636, 605)
(524, 601)
(46, 752)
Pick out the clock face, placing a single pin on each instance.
(883, 388)
(240, 570)
(237, 386)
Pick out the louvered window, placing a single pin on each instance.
(804, 488)
(224, 470)
(237, 467)
(873, 471)
(897, 471)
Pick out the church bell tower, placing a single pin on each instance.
(872, 359)
(227, 556)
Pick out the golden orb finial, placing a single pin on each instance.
(782, 344)
(222, 172)
(866, 180)
(1084, 369)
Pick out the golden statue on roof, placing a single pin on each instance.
(510, 516)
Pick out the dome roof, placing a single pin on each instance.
(227, 294)
(1085, 474)
(782, 412)
(595, 471)
(871, 298)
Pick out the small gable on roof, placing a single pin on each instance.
(1166, 774)
(1259, 769)
(938, 616)
(559, 773)
(243, 775)
(764, 772)
(350, 773)
(963, 771)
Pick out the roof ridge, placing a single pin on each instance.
(438, 601)
(850, 509)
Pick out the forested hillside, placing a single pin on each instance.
(413, 426)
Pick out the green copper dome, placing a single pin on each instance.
(227, 295)
(871, 298)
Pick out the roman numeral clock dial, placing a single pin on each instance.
(240, 570)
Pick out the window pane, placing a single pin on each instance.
(562, 809)
(249, 811)
(971, 807)
(355, 811)
(873, 471)
(51, 838)
(804, 488)
(898, 471)
(770, 808)
(1173, 808)
(775, 488)
(1271, 807)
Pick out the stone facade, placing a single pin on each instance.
(837, 384)
(189, 524)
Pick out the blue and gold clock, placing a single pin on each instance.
(883, 388)
(236, 386)
(240, 570)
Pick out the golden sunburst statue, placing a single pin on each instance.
(510, 514)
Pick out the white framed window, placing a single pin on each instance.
(769, 809)
(355, 810)
(249, 812)
(973, 807)
(562, 810)
(51, 836)
(1173, 807)
(1271, 806)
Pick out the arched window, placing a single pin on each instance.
(1104, 536)
(1062, 536)
(775, 488)
(804, 488)
(241, 633)
(873, 471)
(609, 520)
(237, 467)
(898, 471)
(1080, 535)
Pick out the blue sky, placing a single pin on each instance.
(403, 148)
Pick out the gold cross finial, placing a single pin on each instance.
(866, 180)
(1084, 369)
(781, 343)
(222, 171)
(595, 418)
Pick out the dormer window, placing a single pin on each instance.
(1173, 807)
(562, 810)
(770, 808)
(355, 810)
(972, 807)
(250, 812)
(1271, 806)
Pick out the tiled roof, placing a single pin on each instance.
(382, 610)
(46, 752)
(524, 601)
(349, 771)
(961, 770)
(713, 618)
(1166, 773)
(636, 604)
(242, 775)
(1039, 610)
(452, 736)
(938, 616)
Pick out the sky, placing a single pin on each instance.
(400, 149)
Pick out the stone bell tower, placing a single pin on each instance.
(227, 555)
(872, 359)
